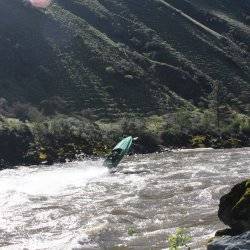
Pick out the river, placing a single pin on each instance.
(81, 205)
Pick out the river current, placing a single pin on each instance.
(81, 205)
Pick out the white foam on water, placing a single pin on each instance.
(192, 150)
(72, 205)
(51, 180)
(24, 190)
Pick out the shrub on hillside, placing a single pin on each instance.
(24, 112)
(147, 143)
(20, 111)
(175, 138)
(63, 137)
(133, 126)
(239, 124)
(15, 140)
(54, 105)
(4, 107)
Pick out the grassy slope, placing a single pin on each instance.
(111, 57)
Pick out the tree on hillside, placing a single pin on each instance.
(53, 105)
(219, 106)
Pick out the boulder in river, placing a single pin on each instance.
(234, 208)
(241, 241)
(234, 211)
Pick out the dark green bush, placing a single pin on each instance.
(15, 139)
(133, 126)
(64, 137)
(147, 143)
(175, 138)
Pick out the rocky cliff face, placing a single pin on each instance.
(116, 56)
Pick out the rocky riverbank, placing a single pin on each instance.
(63, 138)
(234, 211)
(241, 241)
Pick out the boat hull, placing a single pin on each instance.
(118, 152)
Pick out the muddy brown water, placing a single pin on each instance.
(81, 205)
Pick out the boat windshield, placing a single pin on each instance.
(115, 154)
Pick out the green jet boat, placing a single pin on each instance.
(118, 152)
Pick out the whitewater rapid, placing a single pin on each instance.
(81, 205)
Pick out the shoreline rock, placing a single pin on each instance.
(234, 211)
(234, 208)
(241, 241)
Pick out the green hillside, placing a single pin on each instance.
(80, 75)
(110, 57)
